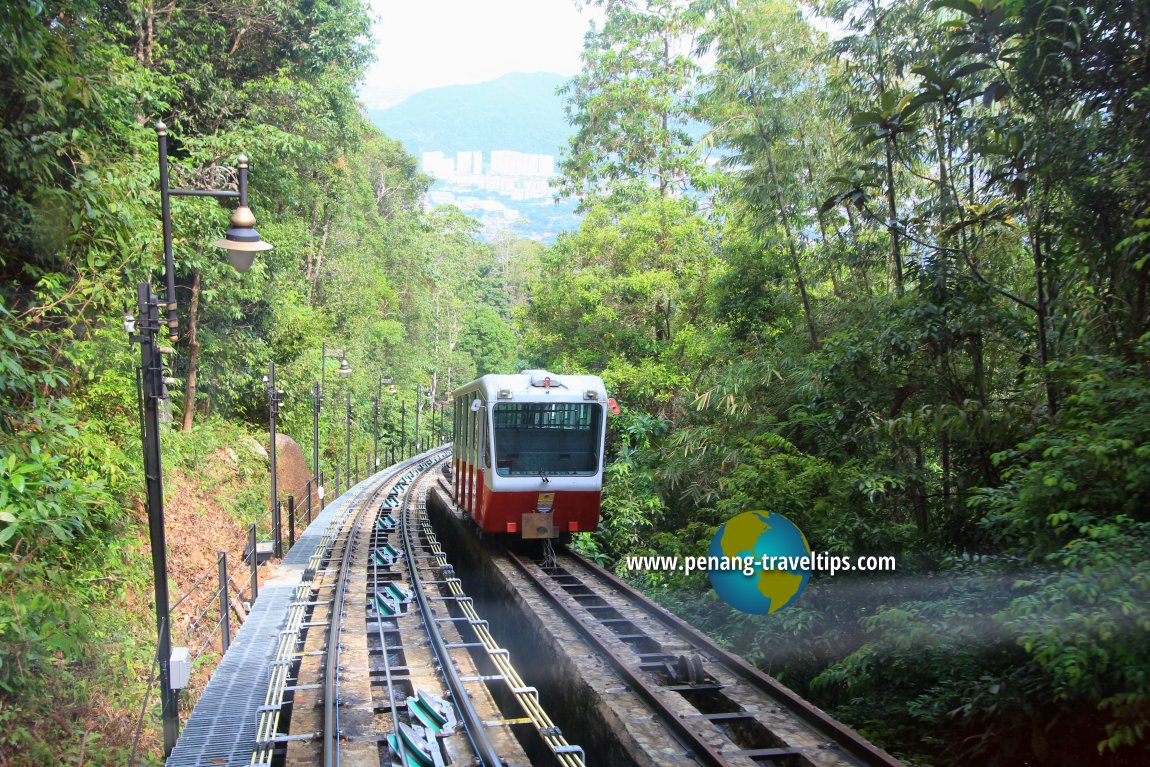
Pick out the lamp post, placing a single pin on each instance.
(375, 413)
(418, 394)
(316, 404)
(344, 372)
(349, 438)
(274, 399)
(344, 368)
(391, 434)
(242, 243)
(402, 430)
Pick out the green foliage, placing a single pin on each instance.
(1075, 499)
(55, 509)
(489, 340)
(1084, 477)
(630, 106)
(82, 84)
(632, 509)
(914, 324)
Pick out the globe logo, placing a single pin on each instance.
(754, 537)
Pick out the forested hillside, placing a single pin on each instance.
(898, 293)
(519, 111)
(906, 307)
(356, 263)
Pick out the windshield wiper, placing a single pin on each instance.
(543, 476)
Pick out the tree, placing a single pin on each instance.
(630, 105)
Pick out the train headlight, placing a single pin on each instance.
(590, 394)
(504, 394)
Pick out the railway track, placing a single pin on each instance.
(721, 710)
(382, 651)
(384, 660)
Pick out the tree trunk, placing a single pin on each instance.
(318, 264)
(793, 250)
(193, 354)
(891, 213)
(1040, 307)
(917, 490)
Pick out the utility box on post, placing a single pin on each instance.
(180, 669)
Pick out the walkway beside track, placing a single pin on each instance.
(221, 731)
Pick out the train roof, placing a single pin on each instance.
(531, 383)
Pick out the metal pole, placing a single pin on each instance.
(152, 372)
(315, 406)
(375, 431)
(322, 494)
(418, 394)
(309, 502)
(291, 521)
(273, 410)
(390, 435)
(402, 431)
(166, 220)
(337, 490)
(348, 473)
(225, 623)
(277, 531)
(255, 562)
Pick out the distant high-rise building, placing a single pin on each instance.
(505, 162)
(469, 163)
(438, 165)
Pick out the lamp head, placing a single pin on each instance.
(242, 241)
(344, 368)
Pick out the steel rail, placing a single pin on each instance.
(335, 631)
(270, 713)
(690, 738)
(387, 672)
(471, 720)
(846, 738)
(285, 655)
(391, 690)
(566, 754)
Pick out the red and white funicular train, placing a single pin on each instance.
(528, 454)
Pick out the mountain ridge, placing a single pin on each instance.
(519, 111)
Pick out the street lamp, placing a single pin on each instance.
(242, 241)
(326, 353)
(243, 238)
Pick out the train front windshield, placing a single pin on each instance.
(547, 439)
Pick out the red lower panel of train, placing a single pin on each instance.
(572, 511)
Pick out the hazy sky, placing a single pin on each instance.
(422, 44)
